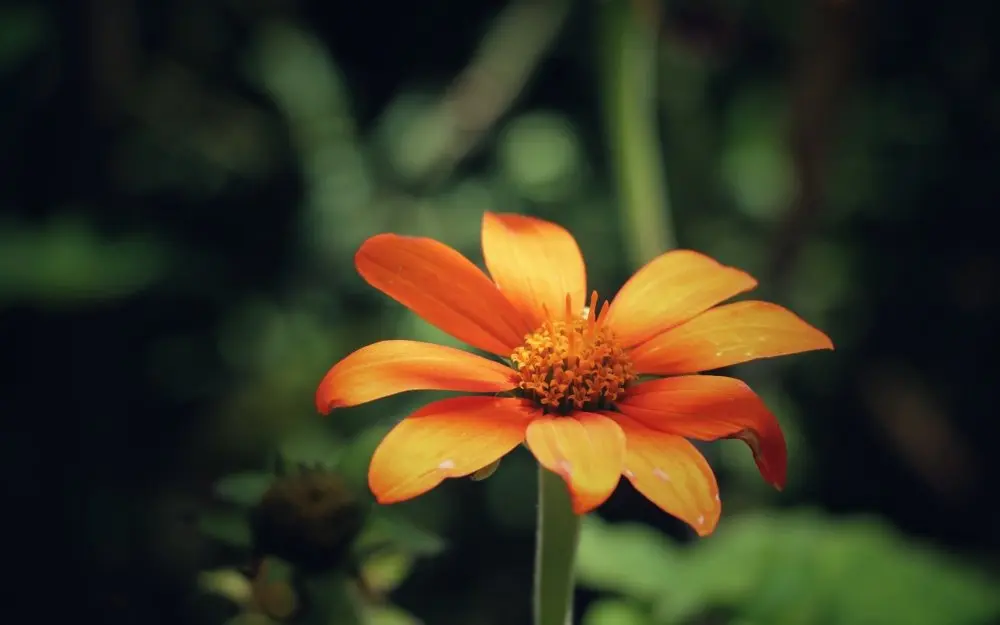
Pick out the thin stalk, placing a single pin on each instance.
(555, 552)
(628, 52)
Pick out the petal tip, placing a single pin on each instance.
(776, 476)
(820, 339)
(705, 528)
(585, 505)
(325, 404)
(385, 494)
(580, 509)
(326, 408)
(385, 500)
(773, 469)
(375, 239)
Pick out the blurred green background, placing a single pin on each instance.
(184, 184)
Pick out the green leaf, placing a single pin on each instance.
(228, 583)
(229, 526)
(333, 599)
(68, 262)
(244, 489)
(384, 571)
(628, 558)
(802, 567)
(788, 568)
(541, 156)
(390, 615)
(615, 612)
(391, 528)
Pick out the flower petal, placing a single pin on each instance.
(669, 290)
(709, 407)
(587, 450)
(536, 265)
(448, 438)
(389, 367)
(728, 335)
(671, 472)
(444, 288)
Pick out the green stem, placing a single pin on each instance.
(628, 50)
(555, 551)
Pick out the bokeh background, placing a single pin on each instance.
(184, 184)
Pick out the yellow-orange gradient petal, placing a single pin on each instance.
(536, 264)
(709, 407)
(728, 335)
(587, 450)
(444, 288)
(669, 290)
(670, 472)
(389, 367)
(448, 438)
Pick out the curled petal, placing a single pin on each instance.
(728, 335)
(389, 367)
(536, 264)
(587, 450)
(669, 290)
(708, 407)
(444, 288)
(448, 438)
(670, 472)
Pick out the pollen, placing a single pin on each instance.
(573, 363)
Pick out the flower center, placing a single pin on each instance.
(573, 364)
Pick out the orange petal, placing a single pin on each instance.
(444, 288)
(448, 438)
(670, 472)
(725, 336)
(389, 367)
(536, 265)
(709, 407)
(587, 450)
(669, 290)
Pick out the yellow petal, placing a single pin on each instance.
(728, 335)
(448, 438)
(669, 290)
(587, 450)
(670, 472)
(389, 367)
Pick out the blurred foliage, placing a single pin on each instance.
(777, 568)
(282, 522)
(68, 263)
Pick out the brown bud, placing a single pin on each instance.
(309, 519)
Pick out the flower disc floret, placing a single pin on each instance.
(572, 364)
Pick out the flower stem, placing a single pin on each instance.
(555, 551)
(628, 51)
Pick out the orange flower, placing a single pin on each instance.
(568, 385)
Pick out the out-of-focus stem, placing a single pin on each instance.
(503, 64)
(628, 89)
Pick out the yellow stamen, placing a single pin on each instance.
(574, 363)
